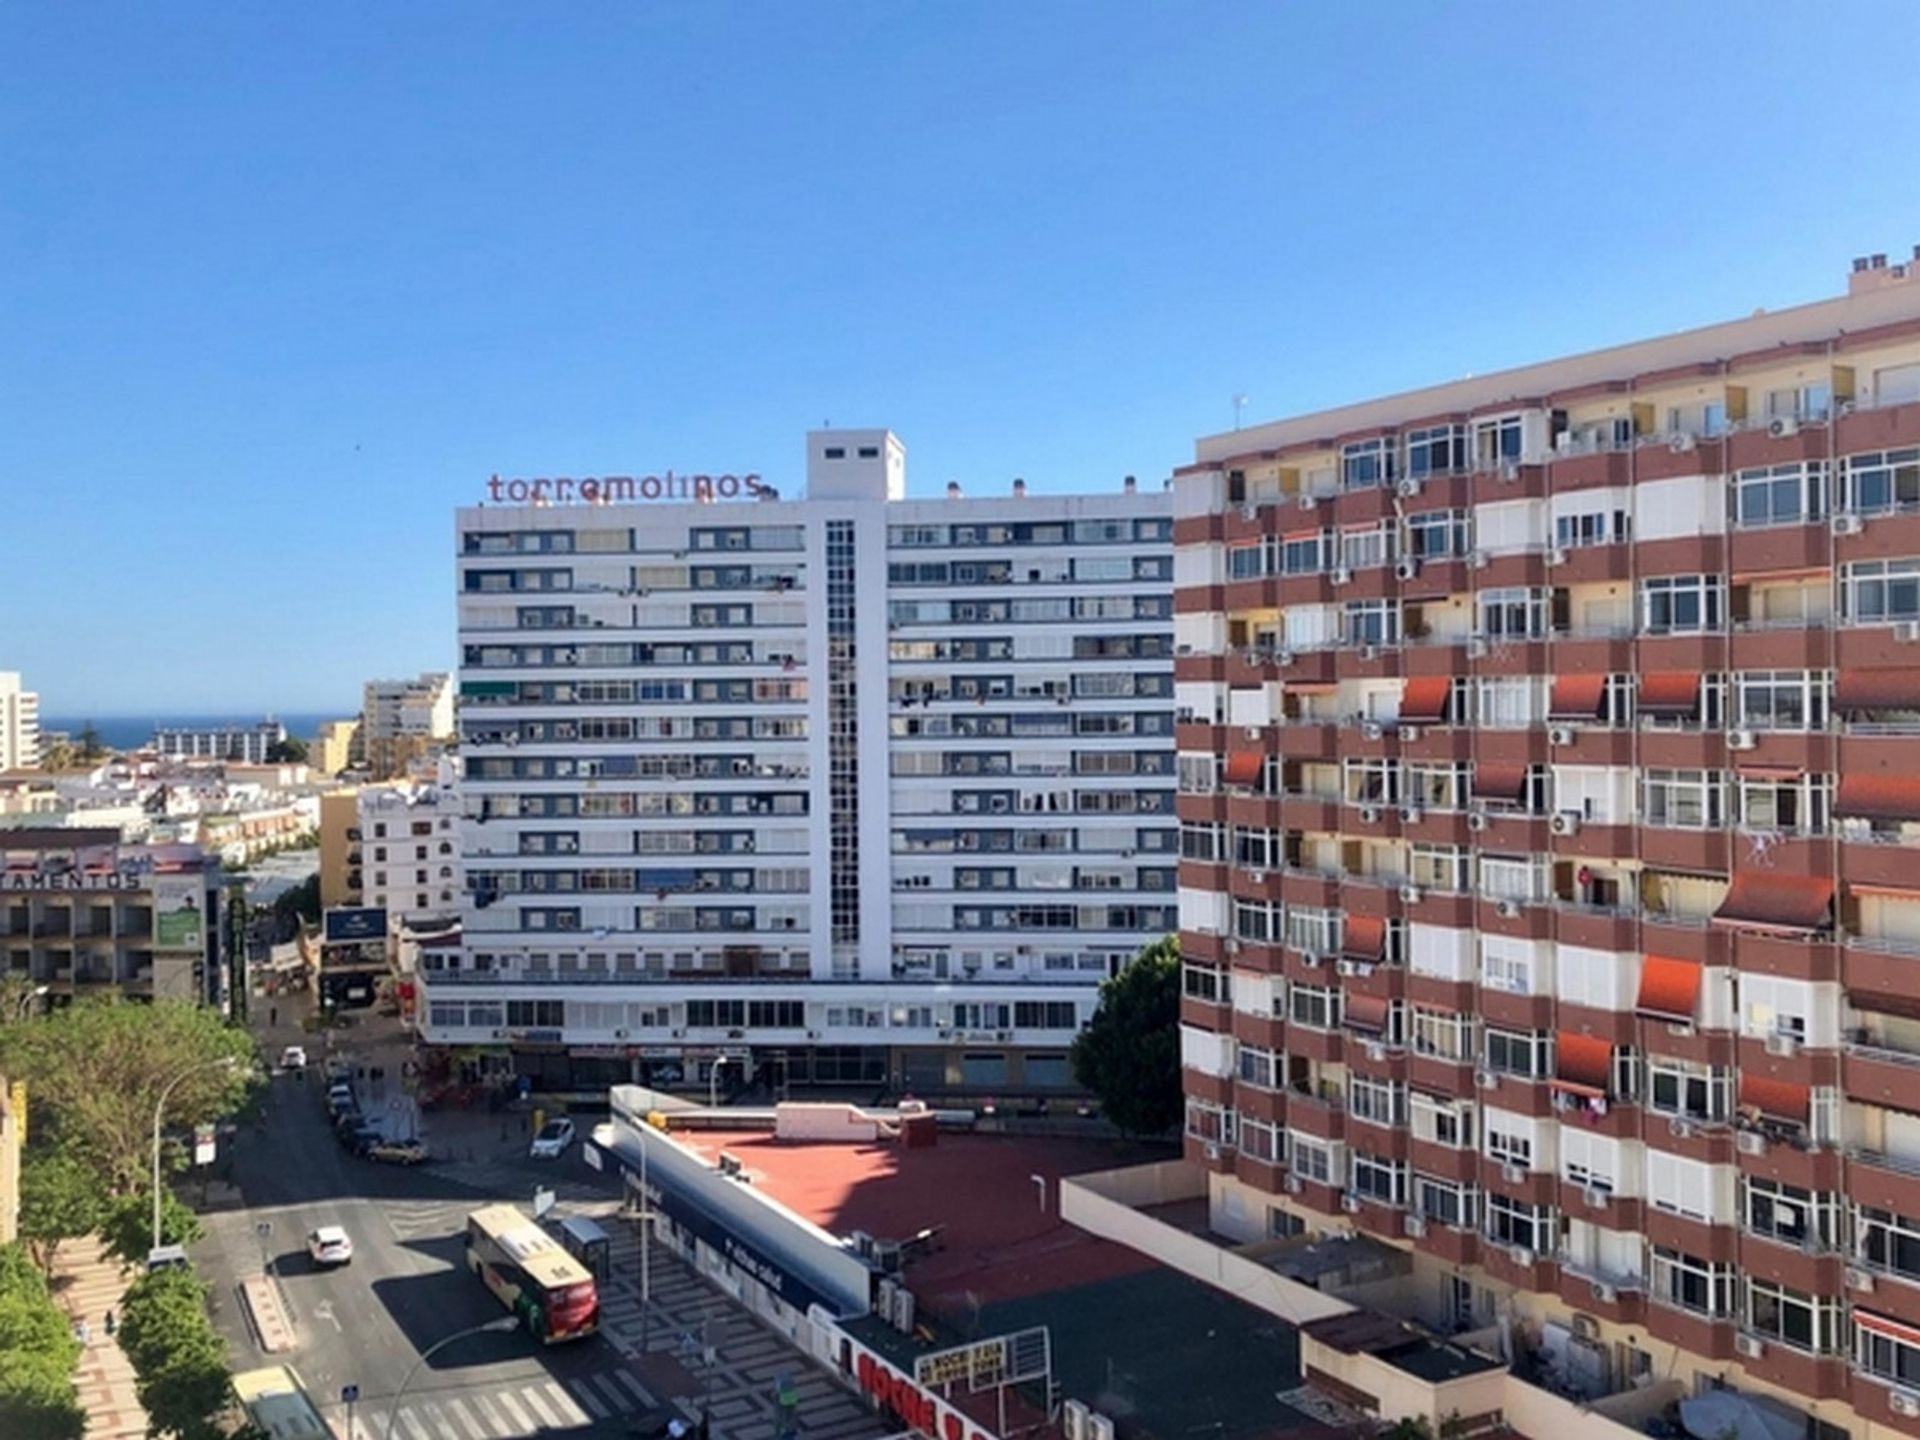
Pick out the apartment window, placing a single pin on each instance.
(1780, 699)
(1878, 591)
(1800, 402)
(1511, 877)
(1256, 921)
(1512, 1222)
(1198, 982)
(1690, 1284)
(1303, 554)
(1201, 842)
(1789, 1215)
(1381, 1102)
(1437, 787)
(1793, 1317)
(1438, 867)
(1372, 622)
(1498, 441)
(1681, 604)
(1683, 799)
(1508, 704)
(1597, 527)
(1371, 782)
(1881, 483)
(1262, 1141)
(1683, 1090)
(1247, 562)
(1798, 806)
(1315, 1160)
(1779, 495)
(1507, 965)
(1436, 534)
(1383, 1181)
(1441, 1121)
(1517, 614)
(1436, 450)
(1366, 463)
(1316, 932)
(1506, 1142)
(1887, 1241)
(1363, 549)
(1882, 1355)
(1443, 1035)
(1526, 1053)
(1314, 1006)
(1443, 1202)
(1209, 1122)
(1257, 1067)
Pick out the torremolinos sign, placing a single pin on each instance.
(625, 489)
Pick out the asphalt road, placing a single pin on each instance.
(407, 1288)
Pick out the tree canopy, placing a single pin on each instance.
(60, 1199)
(100, 1064)
(179, 1359)
(1128, 1055)
(37, 1355)
(290, 751)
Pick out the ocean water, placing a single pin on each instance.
(129, 732)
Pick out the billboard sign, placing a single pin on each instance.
(355, 922)
(179, 918)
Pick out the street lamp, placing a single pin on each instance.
(492, 1327)
(225, 1062)
(20, 1010)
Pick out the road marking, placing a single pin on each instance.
(586, 1396)
(539, 1406)
(608, 1382)
(418, 1426)
(571, 1413)
(324, 1311)
(634, 1385)
(467, 1423)
(522, 1424)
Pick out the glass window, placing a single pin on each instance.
(1366, 463)
(1436, 450)
(1780, 495)
(1881, 483)
(1691, 1284)
(1878, 591)
(1681, 604)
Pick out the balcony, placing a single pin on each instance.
(1884, 1181)
(1322, 1116)
(1876, 1075)
(1706, 1335)
(1615, 1296)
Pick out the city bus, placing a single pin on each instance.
(278, 1405)
(532, 1274)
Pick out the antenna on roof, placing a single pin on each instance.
(1239, 408)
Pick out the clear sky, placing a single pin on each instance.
(282, 284)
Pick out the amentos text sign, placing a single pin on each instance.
(625, 489)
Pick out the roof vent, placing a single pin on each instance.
(1019, 488)
(953, 489)
(1130, 485)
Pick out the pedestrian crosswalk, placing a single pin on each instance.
(537, 1407)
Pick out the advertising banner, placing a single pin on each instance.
(178, 921)
(358, 922)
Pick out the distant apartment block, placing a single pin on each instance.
(404, 720)
(332, 749)
(19, 723)
(246, 743)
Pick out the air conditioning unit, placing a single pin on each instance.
(1680, 1029)
(1848, 525)
(1479, 559)
(1309, 501)
(1293, 1185)
(1409, 487)
(1750, 1142)
(1560, 735)
(1487, 1079)
(1476, 647)
(1513, 1175)
(1782, 1044)
(1907, 631)
(1232, 947)
(1310, 959)
(1410, 894)
(1595, 1197)
(1416, 1226)
(1341, 575)
(1680, 1127)
(1507, 909)
(1750, 1346)
(1782, 427)
(1509, 470)
(1858, 1279)
(1258, 877)
(1409, 732)
(1567, 822)
(1099, 1427)
(1213, 1154)
(1407, 569)
(1556, 557)
(1351, 969)
(1903, 1402)
(1369, 652)
(1074, 1421)
(1376, 1051)
(1604, 1293)
(1373, 729)
(1247, 512)
(1521, 1256)
(1350, 1204)
(1253, 732)
(1681, 444)
(1477, 820)
(1284, 657)
(1369, 814)
(1412, 814)
(1741, 740)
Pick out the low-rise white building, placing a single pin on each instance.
(409, 845)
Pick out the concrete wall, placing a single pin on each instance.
(823, 1121)
(1105, 1203)
(1399, 1395)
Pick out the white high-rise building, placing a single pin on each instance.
(19, 723)
(844, 789)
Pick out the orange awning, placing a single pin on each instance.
(1776, 1099)
(1365, 938)
(1365, 1012)
(1583, 1064)
(1577, 697)
(1242, 767)
(1878, 796)
(1670, 693)
(1777, 902)
(1423, 700)
(1669, 989)
(1858, 690)
(1500, 782)
(1881, 1325)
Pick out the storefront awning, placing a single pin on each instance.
(1423, 700)
(1669, 989)
(1776, 1099)
(1670, 694)
(1855, 691)
(1366, 1012)
(1364, 938)
(1577, 697)
(1242, 767)
(1878, 797)
(1500, 782)
(1777, 902)
(1583, 1064)
(1881, 1325)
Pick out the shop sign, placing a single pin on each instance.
(624, 489)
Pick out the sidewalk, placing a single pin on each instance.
(87, 1282)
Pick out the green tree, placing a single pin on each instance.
(290, 751)
(37, 1355)
(1129, 1054)
(126, 1224)
(101, 1063)
(87, 746)
(60, 1200)
(301, 903)
(180, 1362)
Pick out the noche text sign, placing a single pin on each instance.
(624, 489)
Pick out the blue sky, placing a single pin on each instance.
(282, 284)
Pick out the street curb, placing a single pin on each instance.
(271, 1327)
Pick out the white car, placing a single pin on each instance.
(294, 1057)
(329, 1245)
(552, 1141)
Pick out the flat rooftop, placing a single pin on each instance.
(1163, 1354)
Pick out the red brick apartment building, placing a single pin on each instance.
(1549, 766)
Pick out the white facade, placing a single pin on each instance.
(883, 787)
(19, 723)
(410, 850)
(250, 744)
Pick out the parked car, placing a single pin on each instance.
(360, 1137)
(329, 1245)
(340, 1098)
(399, 1152)
(552, 1141)
(294, 1057)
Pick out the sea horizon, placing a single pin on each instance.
(130, 732)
